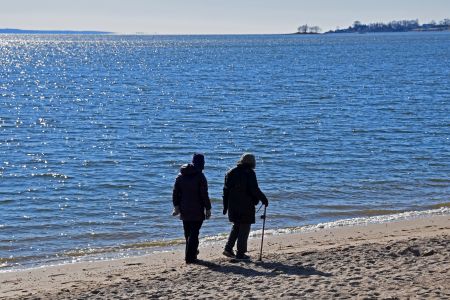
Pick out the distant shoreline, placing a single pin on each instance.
(408, 31)
(24, 31)
(395, 26)
(374, 32)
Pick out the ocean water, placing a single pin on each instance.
(93, 130)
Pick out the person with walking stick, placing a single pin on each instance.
(240, 196)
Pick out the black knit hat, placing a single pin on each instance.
(198, 160)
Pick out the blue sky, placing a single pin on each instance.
(210, 16)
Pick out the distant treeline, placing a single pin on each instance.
(395, 26)
(306, 29)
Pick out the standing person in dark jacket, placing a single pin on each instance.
(191, 202)
(240, 196)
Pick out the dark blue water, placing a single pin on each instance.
(93, 130)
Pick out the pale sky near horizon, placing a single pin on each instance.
(211, 16)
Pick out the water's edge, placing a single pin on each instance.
(141, 249)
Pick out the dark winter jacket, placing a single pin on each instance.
(190, 193)
(241, 193)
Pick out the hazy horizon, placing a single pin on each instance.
(210, 16)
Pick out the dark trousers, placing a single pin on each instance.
(191, 232)
(239, 232)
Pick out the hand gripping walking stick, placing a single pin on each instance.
(262, 236)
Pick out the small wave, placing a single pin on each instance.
(144, 146)
(379, 219)
(440, 205)
(363, 213)
(439, 180)
(326, 97)
(88, 251)
(7, 262)
(99, 163)
(115, 185)
(6, 201)
(149, 244)
(215, 238)
(426, 158)
(331, 206)
(52, 175)
(286, 217)
(358, 130)
(379, 182)
(134, 246)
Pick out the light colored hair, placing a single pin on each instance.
(247, 159)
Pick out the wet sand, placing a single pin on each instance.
(397, 260)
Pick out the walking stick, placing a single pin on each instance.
(262, 236)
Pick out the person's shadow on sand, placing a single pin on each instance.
(270, 269)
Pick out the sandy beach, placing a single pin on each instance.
(397, 260)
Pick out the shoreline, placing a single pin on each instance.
(317, 253)
(144, 248)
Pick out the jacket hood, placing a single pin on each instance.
(189, 169)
